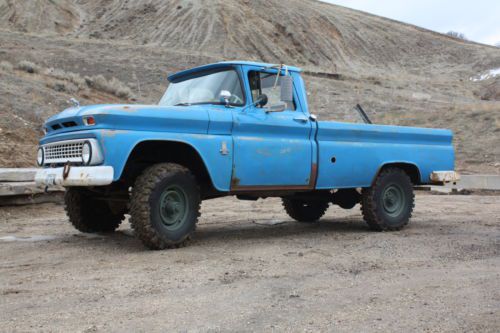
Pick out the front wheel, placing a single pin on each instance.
(165, 205)
(89, 214)
(389, 203)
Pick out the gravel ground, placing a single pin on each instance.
(250, 268)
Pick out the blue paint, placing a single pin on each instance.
(360, 150)
(268, 147)
(263, 149)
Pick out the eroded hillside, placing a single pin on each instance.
(400, 73)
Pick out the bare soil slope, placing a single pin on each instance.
(402, 74)
(50, 16)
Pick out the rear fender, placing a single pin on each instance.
(411, 169)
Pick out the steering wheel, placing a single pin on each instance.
(236, 99)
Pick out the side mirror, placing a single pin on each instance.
(224, 97)
(286, 89)
(262, 100)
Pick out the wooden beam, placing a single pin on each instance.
(20, 200)
(17, 174)
(476, 182)
(25, 188)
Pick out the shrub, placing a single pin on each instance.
(60, 74)
(457, 35)
(491, 92)
(62, 86)
(28, 67)
(113, 86)
(6, 66)
(119, 88)
(72, 82)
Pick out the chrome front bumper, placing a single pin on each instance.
(75, 176)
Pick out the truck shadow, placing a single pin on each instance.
(209, 234)
(227, 232)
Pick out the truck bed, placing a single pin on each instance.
(351, 154)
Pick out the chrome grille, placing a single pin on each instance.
(70, 151)
(62, 152)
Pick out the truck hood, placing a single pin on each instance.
(190, 119)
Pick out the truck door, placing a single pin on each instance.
(272, 150)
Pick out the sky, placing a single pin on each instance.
(479, 20)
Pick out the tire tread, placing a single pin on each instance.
(88, 218)
(140, 208)
(369, 207)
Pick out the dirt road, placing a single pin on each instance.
(250, 268)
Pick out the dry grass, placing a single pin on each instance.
(70, 82)
(113, 86)
(28, 67)
(491, 90)
(60, 74)
(63, 86)
(6, 66)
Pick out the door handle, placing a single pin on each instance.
(301, 119)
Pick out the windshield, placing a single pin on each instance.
(204, 89)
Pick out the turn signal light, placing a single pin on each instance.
(89, 121)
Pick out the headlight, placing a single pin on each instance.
(86, 153)
(40, 156)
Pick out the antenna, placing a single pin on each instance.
(363, 114)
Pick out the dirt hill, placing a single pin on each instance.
(402, 74)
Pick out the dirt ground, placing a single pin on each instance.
(250, 268)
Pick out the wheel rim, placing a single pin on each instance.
(173, 207)
(393, 200)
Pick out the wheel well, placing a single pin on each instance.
(410, 169)
(151, 152)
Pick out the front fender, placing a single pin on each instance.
(117, 146)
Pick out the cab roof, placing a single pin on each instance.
(224, 64)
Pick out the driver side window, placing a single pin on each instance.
(265, 83)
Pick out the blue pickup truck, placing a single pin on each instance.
(232, 128)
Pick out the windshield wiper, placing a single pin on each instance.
(207, 102)
(182, 104)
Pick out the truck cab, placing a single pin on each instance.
(232, 128)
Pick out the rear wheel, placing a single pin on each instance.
(389, 203)
(303, 210)
(165, 206)
(88, 214)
